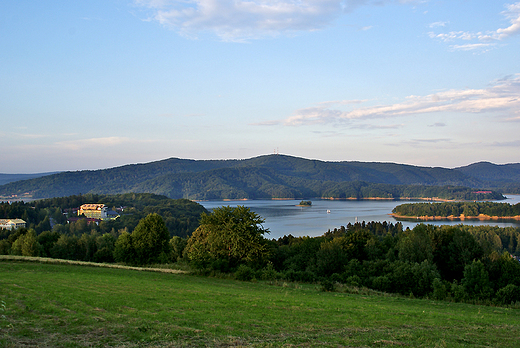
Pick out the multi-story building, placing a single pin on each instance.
(94, 211)
(12, 224)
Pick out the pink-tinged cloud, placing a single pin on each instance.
(504, 96)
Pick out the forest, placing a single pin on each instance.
(276, 176)
(180, 215)
(476, 264)
(456, 209)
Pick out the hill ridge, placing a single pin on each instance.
(265, 176)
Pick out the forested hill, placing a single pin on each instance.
(7, 178)
(271, 176)
(503, 176)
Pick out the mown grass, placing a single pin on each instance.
(53, 305)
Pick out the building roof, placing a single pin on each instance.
(11, 221)
(91, 206)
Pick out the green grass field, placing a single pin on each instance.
(52, 305)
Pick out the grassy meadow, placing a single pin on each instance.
(59, 305)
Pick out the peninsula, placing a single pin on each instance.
(457, 211)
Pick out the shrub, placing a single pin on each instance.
(177, 245)
(269, 273)
(327, 285)
(457, 292)
(104, 255)
(244, 273)
(440, 291)
(508, 295)
(5, 247)
(221, 265)
(382, 283)
(300, 276)
(354, 280)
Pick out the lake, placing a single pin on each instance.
(284, 217)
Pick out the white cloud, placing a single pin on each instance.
(504, 96)
(513, 14)
(438, 24)
(471, 47)
(486, 39)
(242, 20)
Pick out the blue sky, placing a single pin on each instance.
(97, 84)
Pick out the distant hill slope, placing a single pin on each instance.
(7, 178)
(271, 176)
(505, 177)
(486, 171)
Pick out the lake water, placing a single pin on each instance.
(284, 217)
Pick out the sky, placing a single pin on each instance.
(97, 84)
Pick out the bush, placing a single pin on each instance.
(221, 265)
(508, 295)
(300, 276)
(244, 273)
(269, 273)
(440, 291)
(104, 255)
(327, 285)
(354, 280)
(382, 283)
(177, 246)
(5, 247)
(457, 292)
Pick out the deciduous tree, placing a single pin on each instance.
(234, 234)
(150, 240)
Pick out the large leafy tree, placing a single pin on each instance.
(233, 235)
(150, 240)
(123, 249)
(27, 245)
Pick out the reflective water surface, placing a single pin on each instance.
(284, 217)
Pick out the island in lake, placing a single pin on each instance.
(304, 204)
(457, 211)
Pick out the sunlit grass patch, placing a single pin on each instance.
(57, 305)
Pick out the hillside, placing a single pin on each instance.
(505, 177)
(271, 176)
(7, 178)
(77, 306)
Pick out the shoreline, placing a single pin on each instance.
(425, 199)
(461, 217)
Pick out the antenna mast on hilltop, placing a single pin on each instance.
(276, 151)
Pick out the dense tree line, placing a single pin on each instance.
(456, 209)
(455, 263)
(181, 216)
(148, 243)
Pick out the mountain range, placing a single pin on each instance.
(272, 176)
